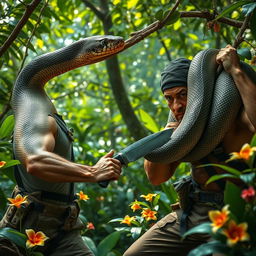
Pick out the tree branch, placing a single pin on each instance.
(240, 38)
(141, 34)
(210, 16)
(98, 13)
(29, 10)
(32, 34)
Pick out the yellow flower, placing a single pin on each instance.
(219, 218)
(148, 197)
(236, 233)
(35, 239)
(148, 214)
(135, 205)
(82, 196)
(2, 164)
(128, 220)
(18, 200)
(245, 153)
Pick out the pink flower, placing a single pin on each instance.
(248, 194)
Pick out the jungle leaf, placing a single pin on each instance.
(232, 197)
(15, 236)
(7, 126)
(108, 243)
(209, 248)
(202, 228)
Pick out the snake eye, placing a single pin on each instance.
(104, 42)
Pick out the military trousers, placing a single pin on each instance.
(164, 237)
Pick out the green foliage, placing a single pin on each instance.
(15, 236)
(85, 99)
(233, 228)
(204, 228)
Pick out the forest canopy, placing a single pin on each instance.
(115, 102)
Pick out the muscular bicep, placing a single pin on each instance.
(34, 133)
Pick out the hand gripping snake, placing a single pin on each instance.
(212, 105)
(213, 102)
(30, 103)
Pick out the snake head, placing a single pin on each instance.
(97, 48)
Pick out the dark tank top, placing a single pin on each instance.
(63, 147)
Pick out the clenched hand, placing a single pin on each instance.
(107, 168)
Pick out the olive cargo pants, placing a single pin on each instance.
(164, 239)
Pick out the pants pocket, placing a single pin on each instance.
(168, 220)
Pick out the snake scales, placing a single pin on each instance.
(30, 103)
(213, 102)
(212, 106)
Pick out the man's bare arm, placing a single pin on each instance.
(247, 89)
(53, 168)
(158, 173)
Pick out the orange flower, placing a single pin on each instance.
(90, 225)
(135, 206)
(35, 239)
(236, 233)
(82, 196)
(148, 197)
(2, 164)
(148, 214)
(18, 200)
(128, 220)
(245, 153)
(219, 218)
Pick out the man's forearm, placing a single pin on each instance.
(247, 90)
(53, 168)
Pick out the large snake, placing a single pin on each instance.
(213, 104)
(30, 103)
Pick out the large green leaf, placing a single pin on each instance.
(10, 164)
(253, 141)
(248, 8)
(232, 8)
(202, 228)
(232, 197)
(148, 121)
(221, 176)
(224, 167)
(245, 53)
(108, 243)
(173, 18)
(89, 242)
(15, 236)
(209, 248)
(7, 126)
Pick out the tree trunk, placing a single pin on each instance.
(136, 129)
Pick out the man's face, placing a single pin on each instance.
(177, 101)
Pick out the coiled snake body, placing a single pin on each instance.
(30, 102)
(212, 106)
(213, 102)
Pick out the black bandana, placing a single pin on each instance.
(175, 74)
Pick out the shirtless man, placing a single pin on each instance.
(164, 238)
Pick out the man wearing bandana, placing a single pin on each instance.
(165, 237)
